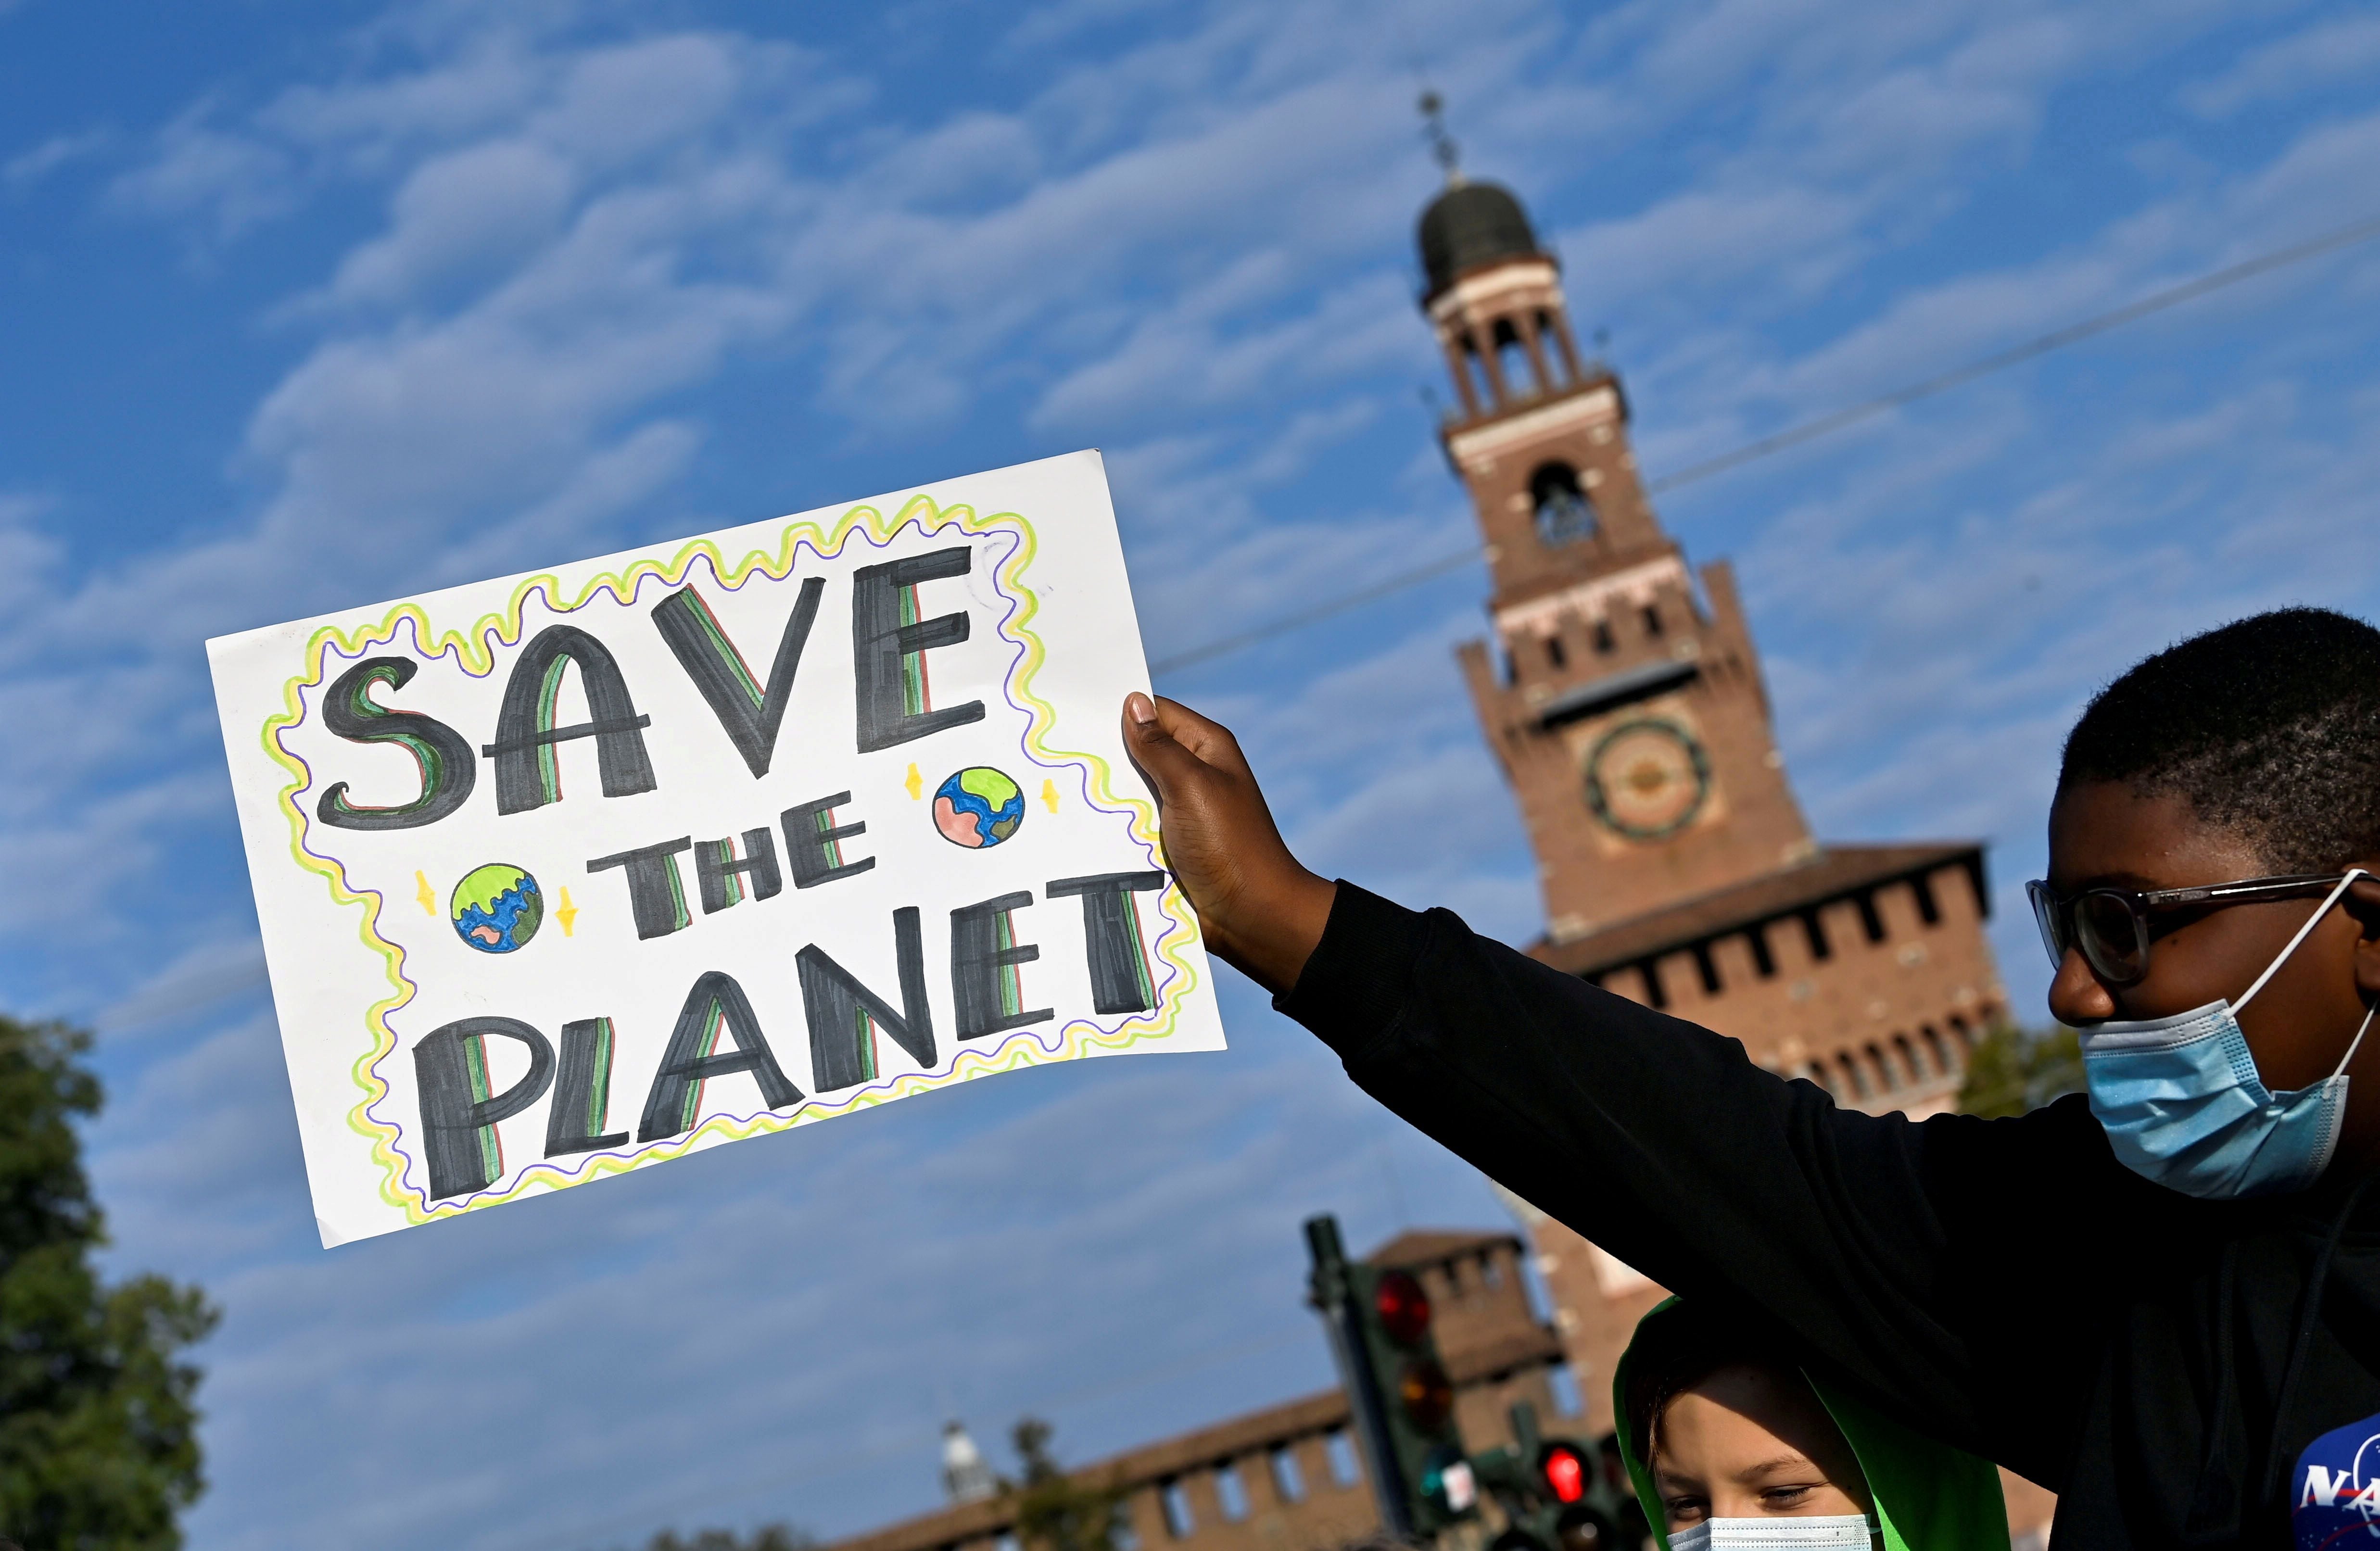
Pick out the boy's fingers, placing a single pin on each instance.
(1210, 742)
(1161, 758)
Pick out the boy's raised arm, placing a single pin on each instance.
(1883, 1244)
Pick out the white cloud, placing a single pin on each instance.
(224, 183)
(30, 167)
(481, 205)
(2342, 49)
(211, 971)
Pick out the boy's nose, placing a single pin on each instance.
(2076, 997)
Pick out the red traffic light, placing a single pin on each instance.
(1563, 1467)
(1402, 1306)
(1427, 1393)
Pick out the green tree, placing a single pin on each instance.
(768, 1537)
(2014, 1070)
(98, 1434)
(1054, 1511)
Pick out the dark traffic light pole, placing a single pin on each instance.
(1334, 1295)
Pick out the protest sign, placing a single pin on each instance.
(574, 872)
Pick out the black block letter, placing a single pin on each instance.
(582, 1091)
(460, 1113)
(656, 893)
(813, 842)
(843, 1015)
(443, 755)
(715, 1006)
(529, 772)
(886, 640)
(720, 877)
(984, 956)
(1119, 964)
(751, 714)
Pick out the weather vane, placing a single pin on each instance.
(1441, 144)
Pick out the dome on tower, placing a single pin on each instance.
(965, 1477)
(1471, 224)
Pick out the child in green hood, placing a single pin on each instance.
(1729, 1446)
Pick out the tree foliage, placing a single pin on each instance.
(99, 1443)
(1054, 1511)
(2013, 1069)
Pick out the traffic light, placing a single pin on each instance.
(1402, 1399)
(1562, 1466)
(1566, 1479)
(1550, 1490)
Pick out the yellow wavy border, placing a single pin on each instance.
(475, 649)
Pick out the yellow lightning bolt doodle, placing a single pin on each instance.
(1050, 795)
(423, 893)
(916, 784)
(567, 914)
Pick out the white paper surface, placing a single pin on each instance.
(404, 970)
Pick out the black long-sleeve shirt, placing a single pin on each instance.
(2005, 1285)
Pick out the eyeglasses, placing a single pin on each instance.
(2111, 925)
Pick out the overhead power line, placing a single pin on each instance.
(1810, 430)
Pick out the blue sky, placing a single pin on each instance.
(311, 304)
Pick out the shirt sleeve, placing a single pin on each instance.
(1929, 1263)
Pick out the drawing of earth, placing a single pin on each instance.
(978, 807)
(496, 908)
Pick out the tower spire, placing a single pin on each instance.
(965, 1477)
(1442, 148)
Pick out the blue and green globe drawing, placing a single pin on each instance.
(978, 807)
(496, 908)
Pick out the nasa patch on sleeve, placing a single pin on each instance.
(2337, 1486)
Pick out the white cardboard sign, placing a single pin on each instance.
(573, 872)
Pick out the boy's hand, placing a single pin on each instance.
(1260, 911)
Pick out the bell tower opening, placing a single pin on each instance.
(1564, 513)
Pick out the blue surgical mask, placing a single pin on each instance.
(1849, 1531)
(2184, 1106)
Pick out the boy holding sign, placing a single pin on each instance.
(2162, 1301)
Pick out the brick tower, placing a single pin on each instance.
(1622, 695)
(1628, 717)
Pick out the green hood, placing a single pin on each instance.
(1929, 1496)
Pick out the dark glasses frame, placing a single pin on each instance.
(2065, 922)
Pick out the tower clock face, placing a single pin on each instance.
(1647, 778)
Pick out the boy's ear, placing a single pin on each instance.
(2362, 898)
(2362, 902)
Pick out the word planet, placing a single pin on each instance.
(978, 807)
(496, 908)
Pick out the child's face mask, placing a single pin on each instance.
(1849, 1531)
(2184, 1106)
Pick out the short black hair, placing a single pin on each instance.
(2268, 727)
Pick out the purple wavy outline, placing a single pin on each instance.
(452, 1206)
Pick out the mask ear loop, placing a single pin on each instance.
(2360, 1033)
(2304, 932)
